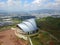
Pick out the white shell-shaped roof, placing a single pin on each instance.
(32, 21)
(28, 25)
(24, 27)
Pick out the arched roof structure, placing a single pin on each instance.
(28, 25)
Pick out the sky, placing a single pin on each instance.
(27, 5)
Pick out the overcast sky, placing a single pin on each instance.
(18, 5)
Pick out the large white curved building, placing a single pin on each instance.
(28, 26)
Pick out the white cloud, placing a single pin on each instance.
(2, 4)
(41, 4)
(10, 2)
(13, 5)
(37, 1)
(54, 5)
(34, 5)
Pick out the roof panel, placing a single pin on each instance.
(28, 25)
(32, 21)
(24, 27)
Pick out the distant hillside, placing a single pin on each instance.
(40, 13)
(50, 11)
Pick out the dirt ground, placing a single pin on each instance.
(8, 37)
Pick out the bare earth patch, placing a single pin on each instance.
(8, 38)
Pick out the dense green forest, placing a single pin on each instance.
(50, 24)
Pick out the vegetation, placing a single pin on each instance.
(41, 39)
(15, 20)
(50, 24)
